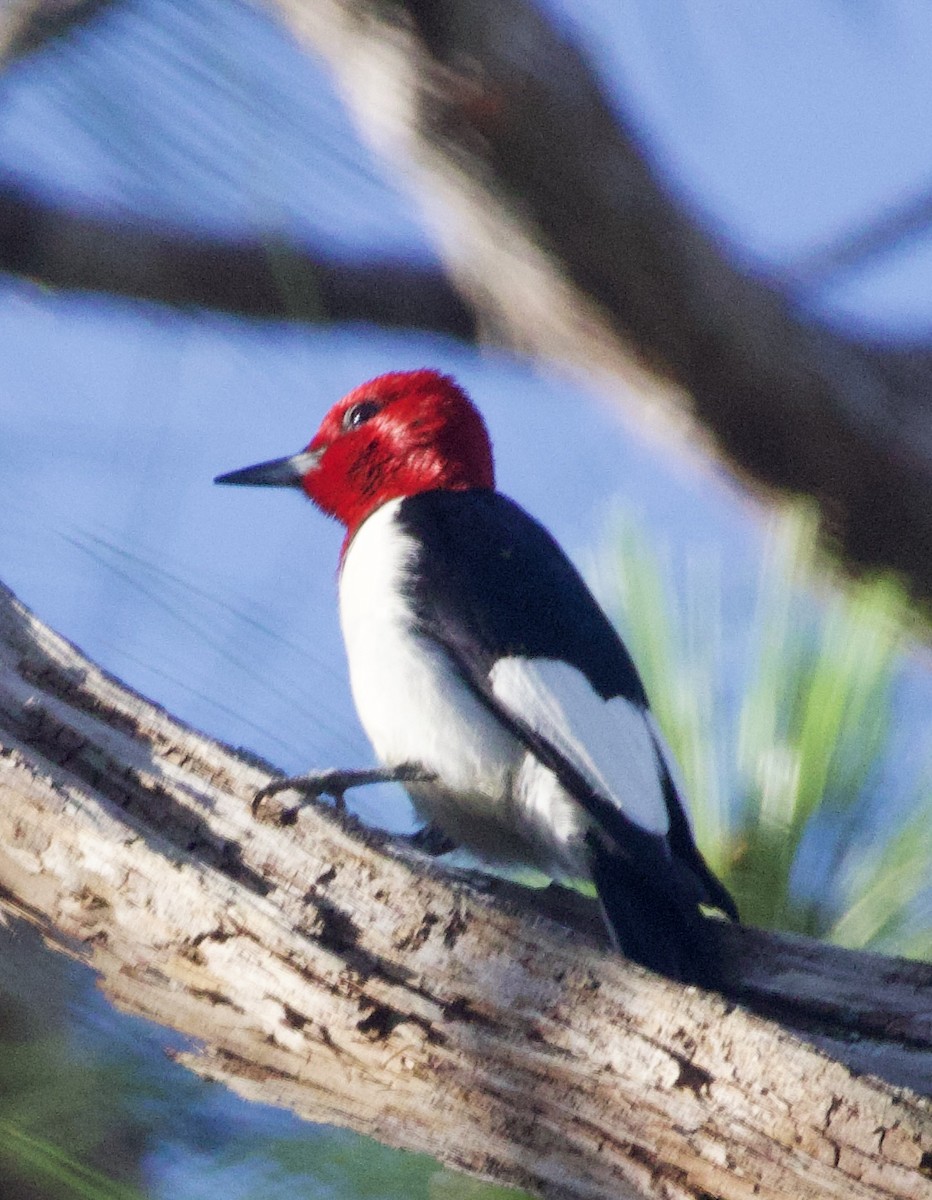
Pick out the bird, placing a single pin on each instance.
(486, 675)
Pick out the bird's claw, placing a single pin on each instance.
(335, 783)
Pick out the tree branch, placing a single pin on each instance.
(554, 223)
(332, 970)
(877, 238)
(26, 25)
(257, 278)
(556, 226)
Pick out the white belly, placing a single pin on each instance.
(490, 795)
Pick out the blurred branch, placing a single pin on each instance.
(70, 249)
(26, 25)
(911, 219)
(327, 968)
(554, 222)
(557, 230)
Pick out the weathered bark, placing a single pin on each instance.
(327, 968)
(552, 220)
(252, 277)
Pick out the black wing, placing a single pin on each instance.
(485, 556)
(490, 582)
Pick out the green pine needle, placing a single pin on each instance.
(794, 759)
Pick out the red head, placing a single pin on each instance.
(399, 434)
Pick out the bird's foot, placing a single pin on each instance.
(335, 783)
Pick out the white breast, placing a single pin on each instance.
(412, 702)
(492, 795)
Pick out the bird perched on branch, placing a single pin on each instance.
(485, 674)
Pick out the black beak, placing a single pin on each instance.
(277, 472)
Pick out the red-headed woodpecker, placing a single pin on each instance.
(485, 673)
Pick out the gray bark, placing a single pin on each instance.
(256, 278)
(327, 968)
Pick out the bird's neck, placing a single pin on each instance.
(362, 513)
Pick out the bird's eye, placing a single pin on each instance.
(359, 413)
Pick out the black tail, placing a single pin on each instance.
(652, 911)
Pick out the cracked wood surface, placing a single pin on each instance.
(328, 969)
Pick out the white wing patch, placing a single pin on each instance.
(608, 741)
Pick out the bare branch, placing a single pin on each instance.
(257, 278)
(329, 969)
(886, 233)
(552, 220)
(555, 226)
(26, 25)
